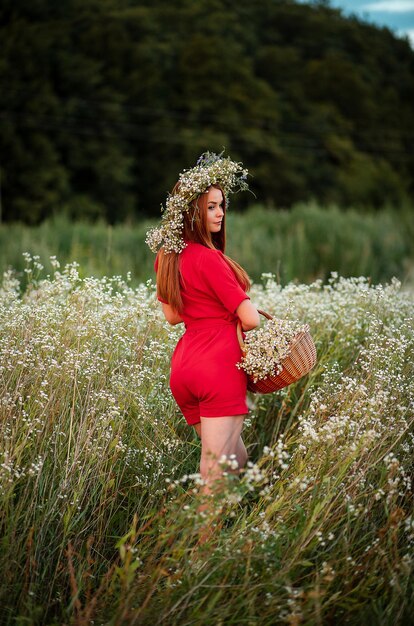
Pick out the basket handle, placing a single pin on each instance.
(240, 330)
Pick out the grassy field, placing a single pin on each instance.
(303, 244)
(99, 472)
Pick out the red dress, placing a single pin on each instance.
(204, 379)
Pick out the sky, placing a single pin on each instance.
(398, 15)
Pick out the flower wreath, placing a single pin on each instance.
(211, 169)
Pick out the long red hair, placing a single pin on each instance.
(196, 230)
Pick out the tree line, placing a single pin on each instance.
(103, 102)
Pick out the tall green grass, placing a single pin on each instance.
(99, 482)
(303, 244)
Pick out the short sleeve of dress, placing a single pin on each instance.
(156, 269)
(219, 278)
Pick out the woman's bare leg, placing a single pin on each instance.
(198, 429)
(241, 452)
(219, 436)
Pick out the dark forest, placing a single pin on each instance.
(103, 102)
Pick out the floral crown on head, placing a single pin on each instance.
(211, 169)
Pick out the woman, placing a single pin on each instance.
(202, 288)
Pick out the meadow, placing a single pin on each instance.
(99, 473)
(303, 244)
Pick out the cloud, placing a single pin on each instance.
(389, 6)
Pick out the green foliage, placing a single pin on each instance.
(303, 244)
(99, 481)
(103, 103)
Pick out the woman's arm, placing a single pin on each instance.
(248, 315)
(171, 314)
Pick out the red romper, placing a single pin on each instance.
(204, 378)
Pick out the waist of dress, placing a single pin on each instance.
(208, 322)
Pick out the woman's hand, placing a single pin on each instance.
(248, 315)
(171, 314)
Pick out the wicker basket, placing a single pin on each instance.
(298, 363)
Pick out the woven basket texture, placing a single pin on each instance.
(298, 363)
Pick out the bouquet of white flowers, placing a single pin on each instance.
(278, 354)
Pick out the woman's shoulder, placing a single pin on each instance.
(198, 250)
(201, 257)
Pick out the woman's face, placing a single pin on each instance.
(215, 210)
